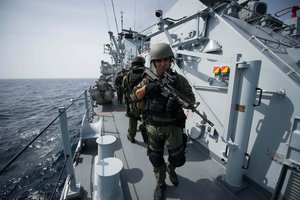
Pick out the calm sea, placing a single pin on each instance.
(27, 106)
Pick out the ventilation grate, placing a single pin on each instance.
(292, 191)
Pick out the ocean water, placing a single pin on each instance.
(27, 106)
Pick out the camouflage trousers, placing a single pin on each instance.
(132, 127)
(120, 95)
(172, 138)
(133, 115)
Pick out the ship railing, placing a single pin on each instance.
(292, 73)
(73, 190)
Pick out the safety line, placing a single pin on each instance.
(36, 137)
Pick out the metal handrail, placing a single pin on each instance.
(287, 68)
(36, 137)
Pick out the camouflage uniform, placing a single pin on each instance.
(132, 78)
(164, 117)
(166, 128)
(118, 85)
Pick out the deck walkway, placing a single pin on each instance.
(197, 178)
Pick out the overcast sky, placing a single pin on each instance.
(65, 38)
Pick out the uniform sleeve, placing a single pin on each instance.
(185, 88)
(141, 84)
(124, 81)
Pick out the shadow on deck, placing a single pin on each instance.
(197, 178)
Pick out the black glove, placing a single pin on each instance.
(152, 88)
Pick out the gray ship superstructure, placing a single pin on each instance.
(244, 66)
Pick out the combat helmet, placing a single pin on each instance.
(161, 50)
(138, 60)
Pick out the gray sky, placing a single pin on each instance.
(65, 38)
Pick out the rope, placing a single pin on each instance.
(134, 19)
(36, 137)
(106, 15)
(147, 28)
(112, 3)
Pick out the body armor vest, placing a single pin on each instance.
(135, 77)
(161, 106)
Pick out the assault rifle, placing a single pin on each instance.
(168, 91)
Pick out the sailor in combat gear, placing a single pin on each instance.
(130, 80)
(118, 84)
(165, 118)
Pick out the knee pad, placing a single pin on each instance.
(177, 159)
(156, 158)
(177, 156)
(156, 155)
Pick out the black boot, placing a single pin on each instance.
(173, 176)
(159, 191)
(132, 140)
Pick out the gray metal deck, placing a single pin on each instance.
(197, 178)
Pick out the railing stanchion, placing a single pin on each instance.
(74, 189)
(86, 100)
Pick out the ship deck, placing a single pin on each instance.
(197, 178)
